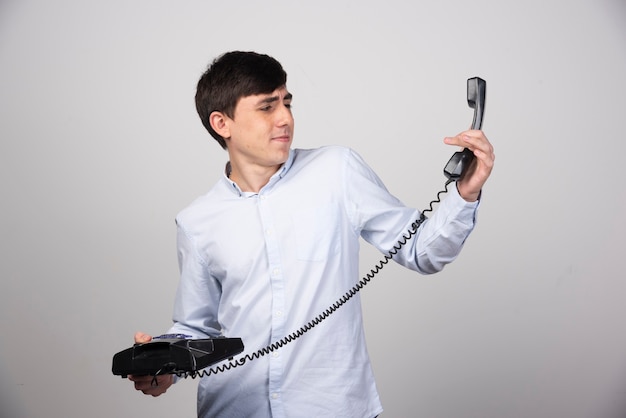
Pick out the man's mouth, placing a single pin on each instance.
(282, 138)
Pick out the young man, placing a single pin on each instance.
(276, 242)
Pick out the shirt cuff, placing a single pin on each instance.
(464, 210)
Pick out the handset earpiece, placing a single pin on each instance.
(476, 92)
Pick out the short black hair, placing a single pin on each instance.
(232, 76)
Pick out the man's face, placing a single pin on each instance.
(261, 129)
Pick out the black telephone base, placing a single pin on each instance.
(174, 356)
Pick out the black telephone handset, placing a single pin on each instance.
(476, 91)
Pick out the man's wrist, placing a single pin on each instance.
(468, 196)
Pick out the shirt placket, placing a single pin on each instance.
(278, 303)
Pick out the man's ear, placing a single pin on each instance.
(218, 122)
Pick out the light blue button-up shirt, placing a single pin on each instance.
(260, 266)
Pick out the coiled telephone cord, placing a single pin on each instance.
(329, 311)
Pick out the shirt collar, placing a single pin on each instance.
(282, 171)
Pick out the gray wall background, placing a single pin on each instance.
(101, 147)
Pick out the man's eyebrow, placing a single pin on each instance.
(272, 99)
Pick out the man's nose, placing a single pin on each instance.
(284, 116)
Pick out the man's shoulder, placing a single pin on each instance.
(326, 150)
(203, 205)
(330, 157)
(322, 155)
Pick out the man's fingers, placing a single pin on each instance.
(141, 337)
(150, 385)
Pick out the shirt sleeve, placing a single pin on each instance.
(384, 221)
(198, 295)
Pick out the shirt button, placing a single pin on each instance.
(275, 395)
(275, 354)
(276, 272)
(279, 313)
